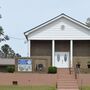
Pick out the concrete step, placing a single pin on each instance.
(65, 76)
(67, 87)
(70, 79)
(72, 82)
(64, 72)
(66, 84)
(65, 80)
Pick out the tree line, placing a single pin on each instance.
(6, 51)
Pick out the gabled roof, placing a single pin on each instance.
(56, 18)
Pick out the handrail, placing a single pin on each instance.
(75, 72)
(69, 67)
(69, 70)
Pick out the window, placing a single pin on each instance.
(78, 65)
(88, 65)
(62, 27)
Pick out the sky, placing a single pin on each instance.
(19, 16)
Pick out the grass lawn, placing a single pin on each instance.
(27, 88)
(85, 88)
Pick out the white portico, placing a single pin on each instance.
(62, 63)
(60, 28)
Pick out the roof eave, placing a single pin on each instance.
(26, 35)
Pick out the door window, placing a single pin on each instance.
(65, 57)
(58, 57)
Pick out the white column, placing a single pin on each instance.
(53, 51)
(29, 48)
(71, 53)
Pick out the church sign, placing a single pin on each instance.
(24, 65)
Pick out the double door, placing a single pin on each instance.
(62, 59)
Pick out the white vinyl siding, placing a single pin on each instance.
(53, 31)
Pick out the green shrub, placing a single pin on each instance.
(10, 69)
(52, 70)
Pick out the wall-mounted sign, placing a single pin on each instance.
(24, 65)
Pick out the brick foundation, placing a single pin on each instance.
(28, 79)
(37, 79)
